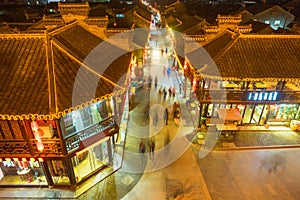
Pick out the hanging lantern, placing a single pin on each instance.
(185, 65)
(40, 146)
(274, 106)
(194, 82)
(37, 136)
(241, 107)
(34, 126)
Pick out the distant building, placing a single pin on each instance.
(275, 16)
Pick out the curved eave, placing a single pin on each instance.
(59, 114)
(267, 79)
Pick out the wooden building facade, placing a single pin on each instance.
(256, 74)
(60, 113)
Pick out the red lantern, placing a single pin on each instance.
(185, 65)
(40, 146)
(274, 106)
(37, 135)
(195, 85)
(34, 126)
(241, 107)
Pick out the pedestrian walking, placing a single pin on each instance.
(155, 82)
(142, 150)
(155, 120)
(165, 94)
(169, 70)
(165, 71)
(162, 51)
(173, 92)
(160, 93)
(170, 92)
(166, 116)
(180, 88)
(149, 81)
(151, 145)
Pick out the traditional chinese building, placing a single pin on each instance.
(232, 68)
(256, 74)
(62, 98)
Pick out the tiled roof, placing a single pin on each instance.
(90, 83)
(206, 53)
(6, 29)
(98, 10)
(26, 78)
(23, 72)
(259, 57)
(80, 46)
(187, 23)
(214, 47)
(78, 40)
(258, 7)
(179, 20)
(142, 12)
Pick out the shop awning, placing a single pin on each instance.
(229, 114)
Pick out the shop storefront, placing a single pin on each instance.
(21, 171)
(260, 114)
(61, 152)
(89, 136)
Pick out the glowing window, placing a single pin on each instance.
(277, 22)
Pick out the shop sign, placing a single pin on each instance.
(263, 96)
(75, 142)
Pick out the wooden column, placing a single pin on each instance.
(26, 130)
(110, 157)
(201, 105)
(116, 112)
(61, 139)
(200, 115)
(70, 169)
(47, 174)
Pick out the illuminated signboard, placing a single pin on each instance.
(120, 15)
(262, 96)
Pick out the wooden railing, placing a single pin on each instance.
(14, 147)
(52, 147)
(73, 142)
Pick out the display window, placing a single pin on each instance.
(284, 112)
(16, 171)
(58, 172)
(83, 118)
(91, 159)
(247, 119)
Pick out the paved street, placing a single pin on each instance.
(175, 171)
(255, 174)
